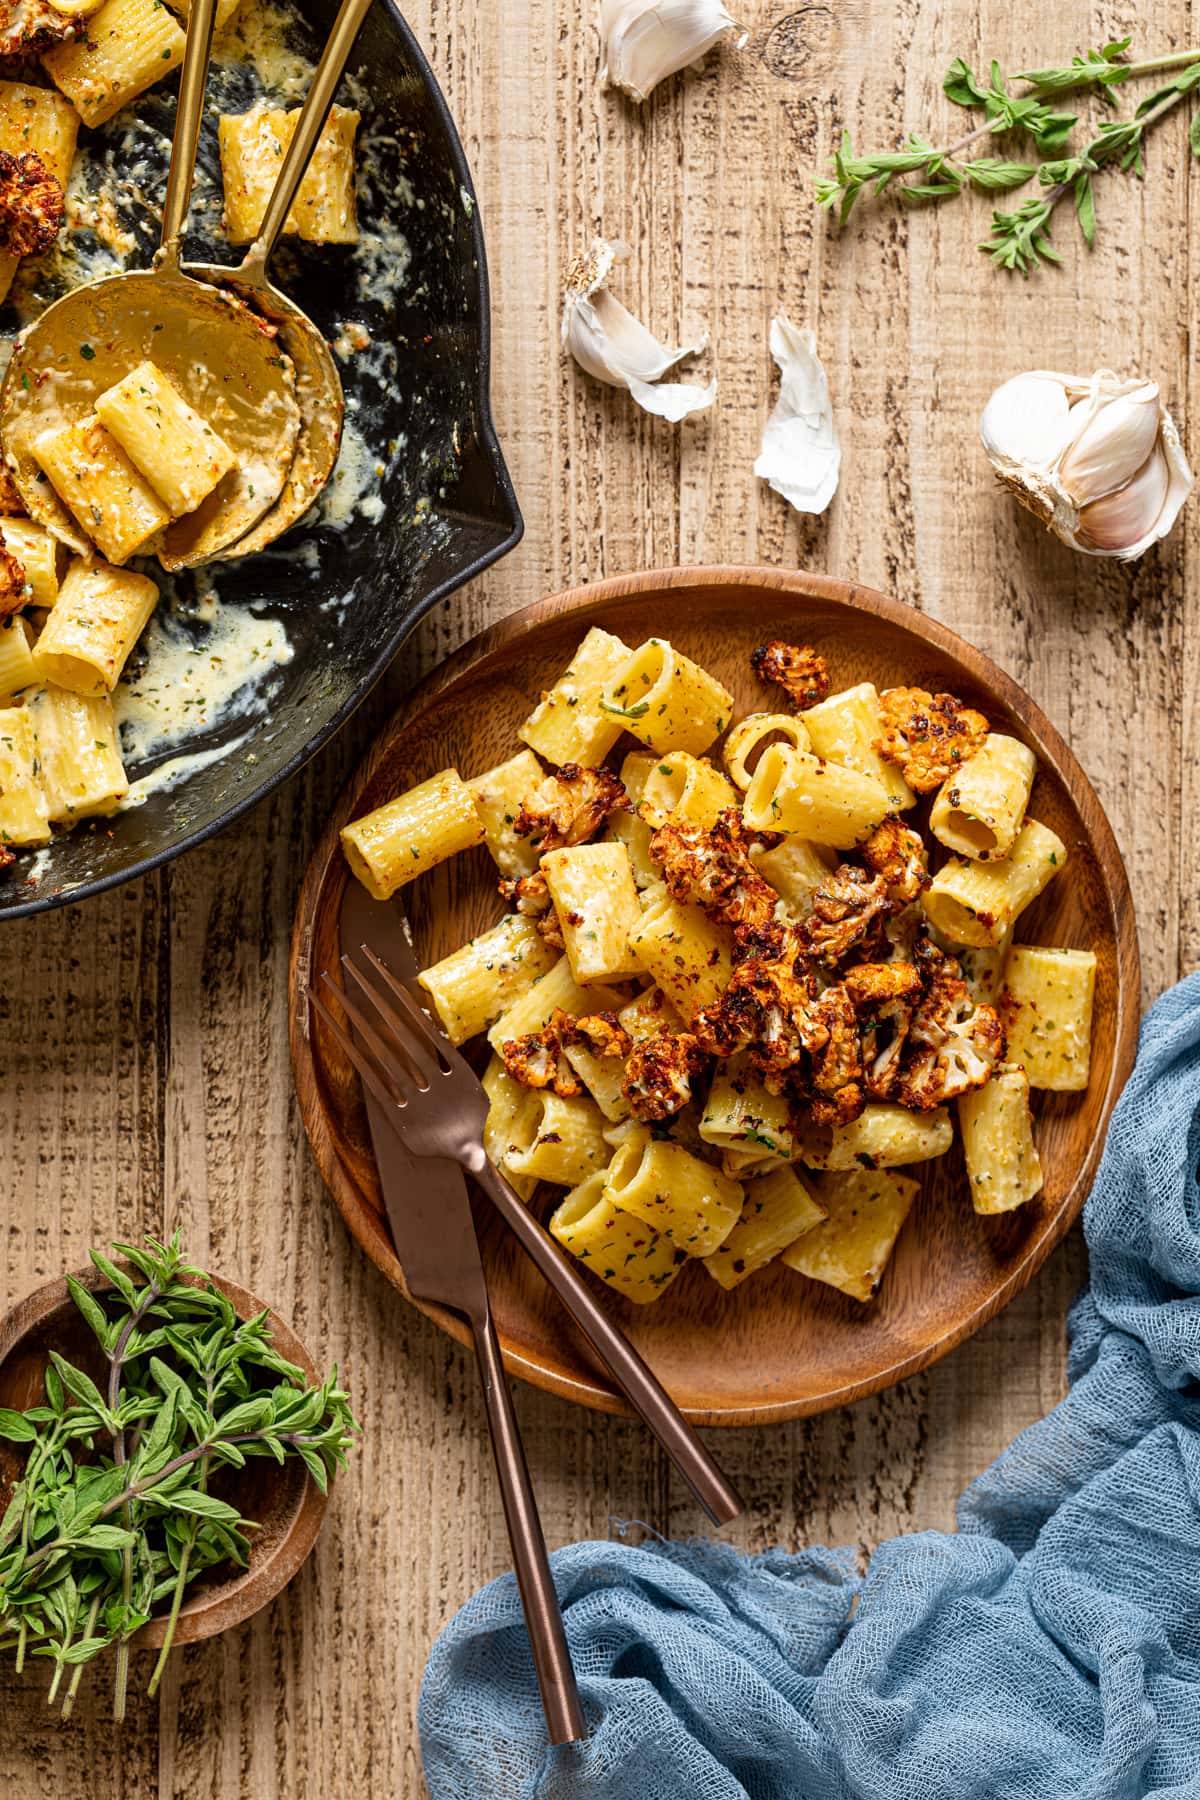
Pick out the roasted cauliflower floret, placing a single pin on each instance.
(11, 504)
(27, 27)
(601, 1033)
(14, 588)
(845, 907)
(7, 859)
(898, 854)
(530, 895)
(797, 668)
(928, 736)
(32, 204)
(713, 870)
(762, 1006)
(537, 1061)
(829, 1031)
(883, 995)
(569, 807)
(659, 1073)
(964, 1059)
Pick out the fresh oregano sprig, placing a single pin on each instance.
(920, 171)
(114, 1514)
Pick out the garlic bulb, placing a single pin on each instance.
(1097, 459)
(800, 455)
(647, 40)
(607, 341)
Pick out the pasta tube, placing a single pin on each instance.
(667, 701)
(471, 987)
(851, 1248)
(568, 724)
(17, 670)
(166, 440)
(821, 801)
(982, 966)
(1003, 1166)
(36, 550)
(130, 44)
(96, 481)
(882, 1137)
(1047, 1012)
(685, 787)
(511, 1123)
(741, 1115)
(556, 991)
(568, 1143)
(630, 828)
(78, 753)
(779, 1208)
(687, 954)
(751, 736)
(24, 810)
(499, 795)
(795, 869)
(845, 729)
(688, 1201)
(977, 903)
(38, 119)
(597, 905)
(391, 846)
(980, 810)
(98, 617)
(623, 1251)
(252, 148)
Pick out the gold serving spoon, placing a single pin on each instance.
(224, 359)
(318, 384)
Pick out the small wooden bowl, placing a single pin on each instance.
(284, 1500)
(778, 1346)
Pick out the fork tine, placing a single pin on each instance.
(426, 1022)
(402, 1078)
(411, 1031)
(367, 1070)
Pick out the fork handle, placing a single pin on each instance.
(552, 1659)
(644, 1392)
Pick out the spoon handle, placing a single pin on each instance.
(309, 126)
(188, 114)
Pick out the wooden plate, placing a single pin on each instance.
(285, 1501)
(779, 1346)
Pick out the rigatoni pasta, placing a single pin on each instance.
(38, 553)
(498, 795)
(24, 807)
(667, 701)
(93, 625)
(1047, 1008)
(686, 1200)
(751, 736)
(850, 1249)
(980, 810)
(597, 904)
(129, 45)
(253, 146)
(568, 1142)
(823, 802)
(845, 729)
(556, 991)
(882, 1137)
(179, 453)
(977, 903)
(1003, 1166)
(17, 671)
(689, 957)
(569, 724)
(778, 1209)
(96, 481)
(511, 1125)
(617, 1246)
(391, 846)
(78, 754)
(684, 787)
(472, 987)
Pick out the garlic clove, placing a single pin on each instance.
(1112, 445)
(800, 455)
(610, 344)
(647, 40)
(1120, 520)
(1025, 421)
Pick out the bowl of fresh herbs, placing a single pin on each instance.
(165, 1455)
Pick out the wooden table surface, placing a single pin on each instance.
(143, 1035)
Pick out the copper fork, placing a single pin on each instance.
(438, 1107)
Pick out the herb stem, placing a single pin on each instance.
(185, 1558)
(77, 1672)
(146, 1299)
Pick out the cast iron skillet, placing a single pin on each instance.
(352, 596)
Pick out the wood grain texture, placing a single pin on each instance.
(143, 1037)
(775, 1348)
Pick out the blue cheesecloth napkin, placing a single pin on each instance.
(1048, 1651)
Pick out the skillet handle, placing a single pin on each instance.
(309, 126)
(643, 1390)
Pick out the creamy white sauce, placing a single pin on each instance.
(170, 774)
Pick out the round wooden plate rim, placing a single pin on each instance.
(209, 1612)
(595, 597)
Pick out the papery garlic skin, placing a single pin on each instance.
(1097, 458)
(609, 343)
(800, 455)
(647, 40)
